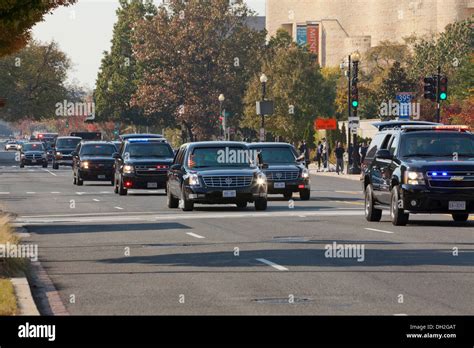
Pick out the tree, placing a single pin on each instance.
(17, 17)
(119, 73)
(193, 51)
(396, 81)
(298, 88)
(33, 82)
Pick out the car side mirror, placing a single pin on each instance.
(176, 167)
(384, 154)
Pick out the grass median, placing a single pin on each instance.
(9, 267)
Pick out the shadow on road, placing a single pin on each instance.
(96, 228)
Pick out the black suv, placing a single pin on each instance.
(215, 173)
(142, 164)
(63, 148)
(419, 168)
(285, 173)
(33, 154)
(93, 161)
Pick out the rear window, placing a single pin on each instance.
(98, 150)
(206, 157)
(281, 155)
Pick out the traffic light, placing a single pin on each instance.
(443, 88)
(67, 124)
(431, 84)
(355, 96)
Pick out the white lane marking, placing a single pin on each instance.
(195, 235)
(55, 192)
(31, 193)
(4, 193)
(272, 264)
(400, 314)
(96, 200)
(80, 193)
(105, 192)
(50, 172)
(375, 230)
(119, 208)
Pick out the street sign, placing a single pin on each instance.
(404, 99)
(262, 134)
(354, 124)
(325, 123)
(265, 107)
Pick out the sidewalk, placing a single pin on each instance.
(332, 173)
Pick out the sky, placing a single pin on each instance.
(84, 30)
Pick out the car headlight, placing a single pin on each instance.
(85, 165)
(58, 153)
(305, 173)
(193, 180)
(261, 179)
(414, 178)
(128, 169)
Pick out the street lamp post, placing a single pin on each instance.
(263, 80)
(222, 114)
(355, 58)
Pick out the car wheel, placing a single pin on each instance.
(288, 195)
(187, 204)
(55, 166)
(121, 190)
(79, 181)
(305, 194)
(45, 165)
(397, 214)
(371, 214)
(171, 201)
(261, 204)
(460, 217)
(241, 205)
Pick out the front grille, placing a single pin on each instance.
(33, 156)
(100, 165)
(150, 170)
(282, 175)
(460, 179)
(227, 181)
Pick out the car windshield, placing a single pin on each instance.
(98, 150)
(277, 155)
(437, 144)
(151, 149)
(67, 143)
(33, 147)
(235, 157)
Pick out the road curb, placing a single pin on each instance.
(26, 304)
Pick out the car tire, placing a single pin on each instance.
(121, 190)
(187, 204)
(55, 166)
(79, 181)
(371, 214)
(261, 204)
(460, 217)
(288, 195)
(171, 201)
(241, 205)
(397, 214)
(305, 195)
(45, 165)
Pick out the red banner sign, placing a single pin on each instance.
(312, 37)
(325, 123)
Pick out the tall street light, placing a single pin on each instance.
(224, 123)
(263, 80)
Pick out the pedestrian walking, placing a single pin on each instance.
(339, 158)
(319, 154)
(304, 151)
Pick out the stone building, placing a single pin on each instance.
(336, 28)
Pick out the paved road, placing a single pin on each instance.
(229, 261)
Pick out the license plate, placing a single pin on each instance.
(279, 185)
(152, 185)
(229, 194)
(101, 176)
(457, 205)
(33, 161)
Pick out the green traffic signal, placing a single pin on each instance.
(443, 96)
(355, 103)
